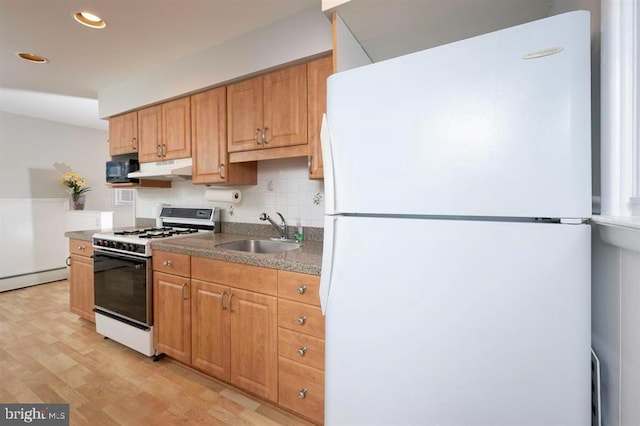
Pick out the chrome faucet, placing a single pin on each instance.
(282, 228)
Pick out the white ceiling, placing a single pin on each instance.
(144, 34)
(389, 28)
(140, 34)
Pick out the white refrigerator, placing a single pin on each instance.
(456, 260)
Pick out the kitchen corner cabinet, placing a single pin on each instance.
(268, 112)
(123, 134)
(81, 295)
(164, 131)
(209, 143)
(317, 73)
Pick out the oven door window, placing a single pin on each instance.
(123, 286)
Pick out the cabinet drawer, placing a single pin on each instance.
(301, 389)
(80, 247)
(171, 263)
(246, 277)
(299, 287)
(301, 348)
(300, 317)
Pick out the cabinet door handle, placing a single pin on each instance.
(302, 319)
(166, 263)
(134, 143)
(224, 293)
(230, 305)
(183, 295)
(302, 394)
(302, 289)
(158, 150)
(309, 163)
(164, 150)
(68, 261)
(302, 351)
(257, 136)
(264, 135)
(221, 170)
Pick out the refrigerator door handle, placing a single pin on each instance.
(327, 261)
(327, 158)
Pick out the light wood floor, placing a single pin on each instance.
(49, 355)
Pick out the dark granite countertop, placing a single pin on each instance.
(307, 259)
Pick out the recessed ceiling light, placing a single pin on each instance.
(89, 19)
(31, 57)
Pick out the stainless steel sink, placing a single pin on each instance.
(259, 246)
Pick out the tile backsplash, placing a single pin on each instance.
(283, 186)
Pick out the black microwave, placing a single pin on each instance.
(117, 170)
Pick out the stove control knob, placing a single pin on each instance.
(114, 244)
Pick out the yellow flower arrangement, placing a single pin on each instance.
(77, 185)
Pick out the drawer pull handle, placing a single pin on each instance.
(302, 394)
(302, 351)
(166, 263)
(81, 248)
(302, 319)
(302, 289)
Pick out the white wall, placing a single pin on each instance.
(32, 225)
(29, 147)
(283, 186)
(290, 39)
(615, 296)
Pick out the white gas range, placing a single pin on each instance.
(175, 222)
(123, 285)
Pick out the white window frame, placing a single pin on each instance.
(620, 91)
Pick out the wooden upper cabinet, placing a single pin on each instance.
(285, 107)
(149, 134)
(123, 134)
(209, 142)
(164, 131)
(317, 73)
(245, 115)
(268, 111)
(176, 129)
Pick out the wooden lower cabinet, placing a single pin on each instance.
(81, 294)
(254, 343)
(210, 334)
(172, 316)
(301, 389)
(300, 345)
(224, 320)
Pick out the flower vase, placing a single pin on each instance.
(77, 201)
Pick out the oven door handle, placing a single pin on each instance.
(122, 255)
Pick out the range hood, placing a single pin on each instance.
(165, 170)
